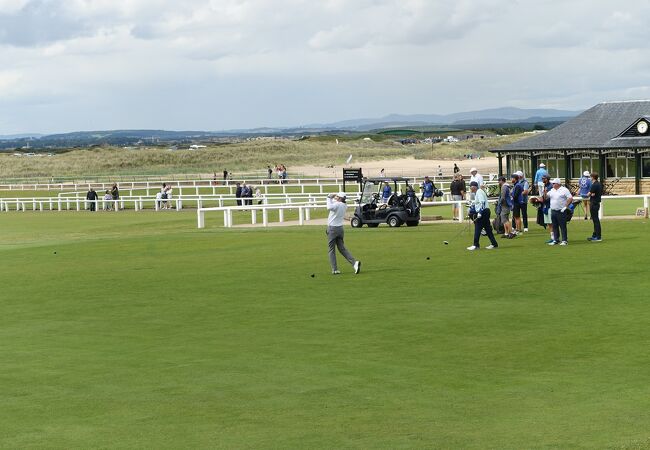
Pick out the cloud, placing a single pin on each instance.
(247, 63)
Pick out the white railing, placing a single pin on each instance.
(304, 213)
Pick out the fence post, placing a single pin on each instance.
(253, 216)
(460, 212)
(301, 220)
(281, 214)
(225, 218)
(601, 213)
(265, 217)
(200, 218)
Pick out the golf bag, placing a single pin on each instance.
(570, 210)
(497, 224)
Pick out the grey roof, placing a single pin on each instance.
(597, 128)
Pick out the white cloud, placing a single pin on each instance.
(269, 62)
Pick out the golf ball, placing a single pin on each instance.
(445, 242)
(313, 275)
(428, 258)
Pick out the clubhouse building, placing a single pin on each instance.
(611, 138)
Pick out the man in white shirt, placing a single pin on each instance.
(336, 207)
(477, 178)
(561, 199)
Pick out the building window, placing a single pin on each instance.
(518, 162)
(586, 161)
(620, 165)
(645, 166)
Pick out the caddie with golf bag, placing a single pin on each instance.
(479, 212)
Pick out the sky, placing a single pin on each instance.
(69, 65)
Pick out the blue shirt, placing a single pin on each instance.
(584, 184)
(517, 193)
(525, 186)
(539, 174)
(428, 189)
(386, 192)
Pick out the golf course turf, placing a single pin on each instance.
(137, 330)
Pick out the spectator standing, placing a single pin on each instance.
(258, 195)
(538, 178)
(238, 192)
(457, 189)
(336, 213)
(584, 190)
(475, 176)
(546, 205)
(163, 196)
(560, 199)
(480, 214)
(225, 176)
(456, 168)
(595, 195)
(168, 192)
(385, 192)
(108, 201)
(439, 170)
(269, 172)
(91, 196)
(115, 192)
(525, 190)
(517, 200)
(504, 206)
(427, 190)
(381, 173)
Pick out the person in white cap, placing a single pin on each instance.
(560, 199)
(336, 207)
(537, 181)
(584, 186)
(477, 178)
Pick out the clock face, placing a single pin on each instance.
(642, 127)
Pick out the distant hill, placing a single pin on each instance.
(491, 116)
(494, 118)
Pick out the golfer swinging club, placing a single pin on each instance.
(480, 214)
(336, 207)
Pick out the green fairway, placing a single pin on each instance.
(137, 330)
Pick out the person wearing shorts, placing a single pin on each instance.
(457, 189)
(584, 186)
(504, 207)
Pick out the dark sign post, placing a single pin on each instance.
(352, 175)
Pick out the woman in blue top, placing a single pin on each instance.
(584, 185)
(385, 192)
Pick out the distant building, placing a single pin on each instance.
(611, 138)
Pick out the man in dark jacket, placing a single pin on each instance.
(238, 193)
(91, 196)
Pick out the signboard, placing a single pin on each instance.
(354, 175)
(642, 212)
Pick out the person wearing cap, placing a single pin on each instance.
(427, 190)
(386, 192)
(480, 212)
(336, 207)
(560, 199)
(584, 186)
(525, 190)
(476, 177)
(546, 205)
(537, 181)
(504, 206)
(595, 194)
(517, 196)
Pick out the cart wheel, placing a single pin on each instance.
(356, 222)
(393, 221)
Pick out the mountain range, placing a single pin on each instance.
(496, 117)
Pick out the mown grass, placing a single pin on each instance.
(236, 157)
(136, 330)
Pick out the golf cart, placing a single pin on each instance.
(398, 209)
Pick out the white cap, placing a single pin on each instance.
(542, 165)
(341, 194)
(556, 181)
(585, 173)
(519, 173)
(473, 169)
